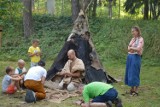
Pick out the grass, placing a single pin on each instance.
(149, 93)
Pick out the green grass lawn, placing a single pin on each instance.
(149, 91)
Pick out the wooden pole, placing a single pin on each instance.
(0, 36)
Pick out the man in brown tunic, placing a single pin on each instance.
(72, 72)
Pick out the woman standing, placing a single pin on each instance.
(133, 64)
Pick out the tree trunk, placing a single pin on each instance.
(119, 9)
(94, 8)
(110, 9)
(155, 10)
(51, 6)
(1, 29)
(33, 5)
(27, 18)
(86, 5)
(146, 9)
(62, 8)
(75, 9)
(100, 2)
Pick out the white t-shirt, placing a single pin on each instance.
(35, 73)
(18, 72)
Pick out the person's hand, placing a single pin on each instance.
(37, 53)
(68, 74)
(19, 77)
(78, 103)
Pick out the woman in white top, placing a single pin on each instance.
(133, 64)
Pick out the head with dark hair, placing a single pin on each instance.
(41, 63)
(9, 69)
(35, 42)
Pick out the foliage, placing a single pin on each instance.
(142, 6)
(51, 31)
(10, 10)
(110, 38)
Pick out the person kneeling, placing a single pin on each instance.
(34, 82)
(102, 95)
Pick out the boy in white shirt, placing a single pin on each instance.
(21, 70)
(34, 82)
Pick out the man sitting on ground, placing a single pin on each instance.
(98, 94)
(34, 81)
(72, 72)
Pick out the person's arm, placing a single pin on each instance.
(38, 53)
(76, 74)
(85, 105)
(31, 54)
(61, 73)
(16, 78)
(14, 75)
(23, 73)
(43, 79)
(98, 104)
(139, 47)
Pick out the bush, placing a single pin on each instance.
(110, 37)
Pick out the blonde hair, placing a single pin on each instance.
(138, 30)
(21, 61)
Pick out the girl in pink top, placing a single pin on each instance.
(133, 64)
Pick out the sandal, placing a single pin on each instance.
(130, 92)
(134, 93)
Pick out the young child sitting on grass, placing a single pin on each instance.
(10, 82)
(21, 71)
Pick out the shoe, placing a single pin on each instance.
(30, 96)
(109, 104)
(118, 102)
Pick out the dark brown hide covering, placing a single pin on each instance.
(80, 41)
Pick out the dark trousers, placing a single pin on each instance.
(110, 95)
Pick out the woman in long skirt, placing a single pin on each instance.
(133, 64)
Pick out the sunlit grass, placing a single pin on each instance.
(149, 93)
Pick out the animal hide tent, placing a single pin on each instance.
(80, 41)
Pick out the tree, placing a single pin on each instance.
(75, 9)
(152, 6)
(110, 8)
(51, 6)
(131, 6)
(155, 8)
(94, 8)
(146, 9)
(27, 18)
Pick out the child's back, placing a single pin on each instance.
(6, 82)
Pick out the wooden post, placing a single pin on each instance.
(0, 36)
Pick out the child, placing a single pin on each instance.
(10, 82)
(21, 70)
(34, 52)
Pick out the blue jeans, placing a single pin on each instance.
(110, 95)
(34, 64)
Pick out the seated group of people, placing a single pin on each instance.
(71, 74)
